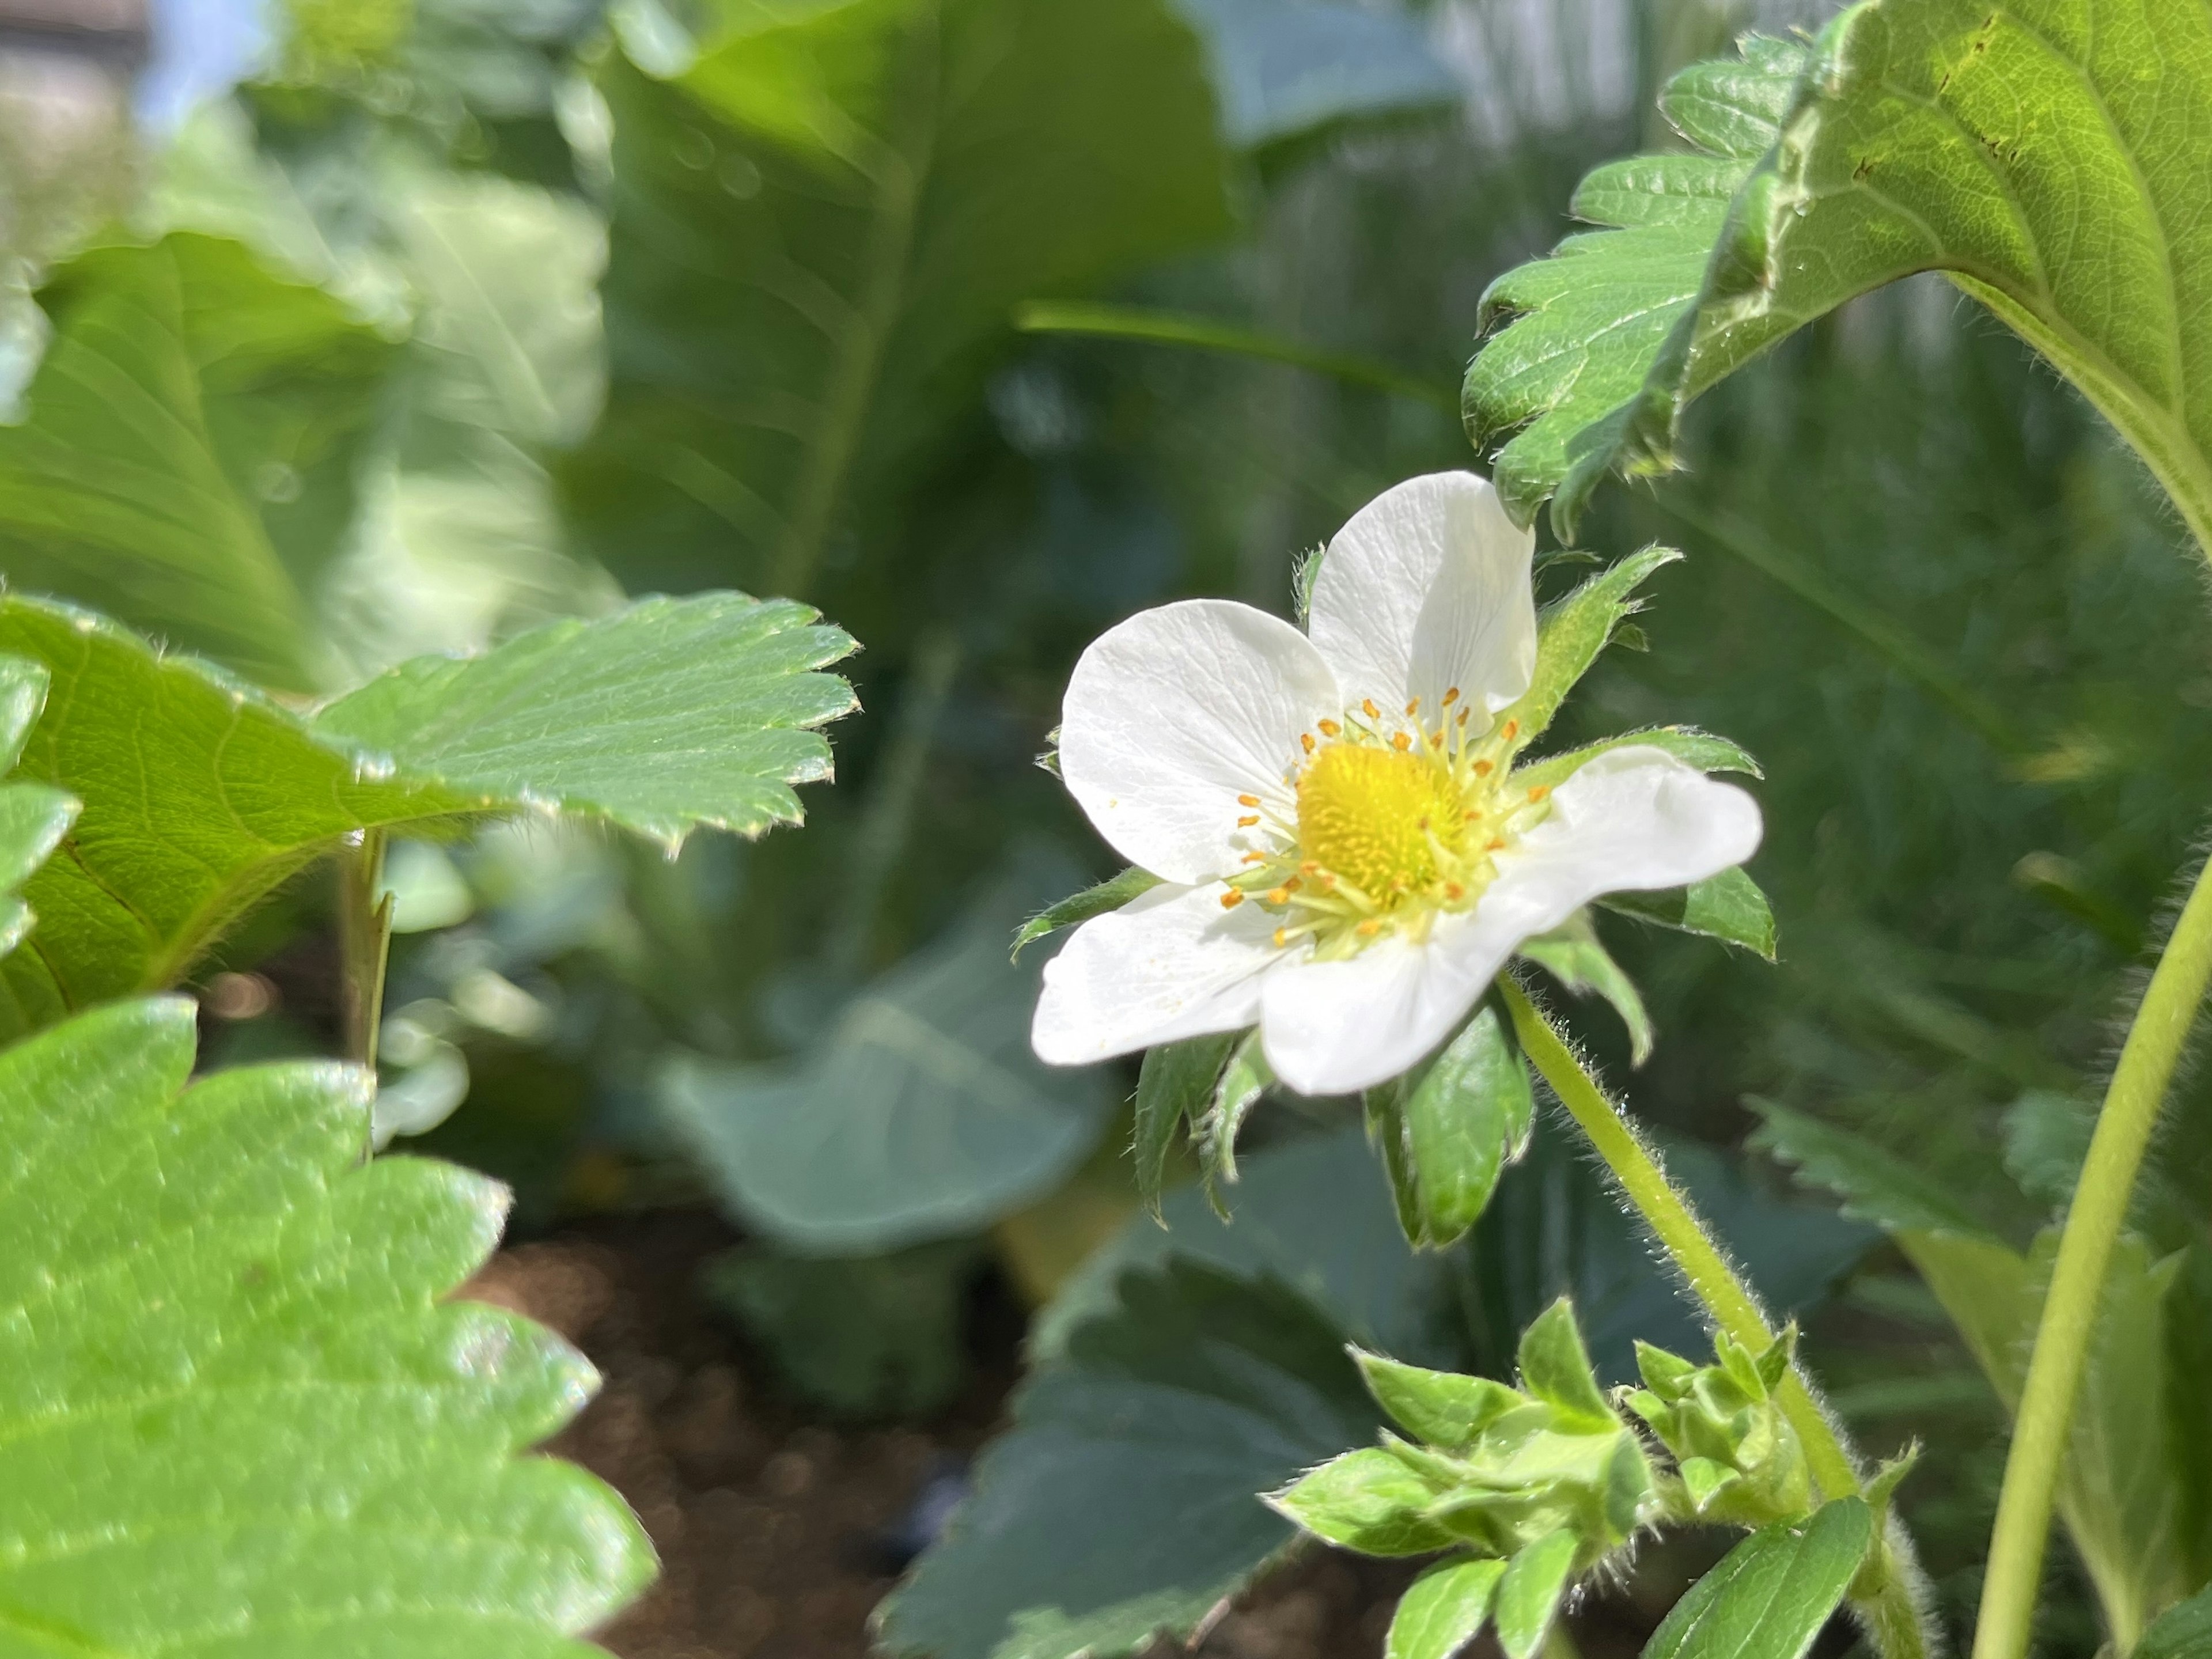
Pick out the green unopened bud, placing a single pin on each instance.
(1736, 1457)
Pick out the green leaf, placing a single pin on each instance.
(1175, 1086)
(822, 226)
(1555, 1367)
(1571, 633)
(1121, 1501)
(2182, 1631)
(1447, 1132)
(1770, 1594)
(32, 818)
(1572, 955)
(1246, 1078)
(1443, 1409)
(1109, 895)
(1442, 1610)
(1528, 1593)
(201, 795)
(669, 714)
(1587, 325)
(866, 1336)
(1367, 1500)
(2043, 154)
(239, 1410)
(187, 461)
(1685, 743)
(1874, 1185)
(1728, 907)
(922, 1114)
(2119, 1492)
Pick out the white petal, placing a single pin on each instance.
(1427, 588)
(1172, 964)
(1174, 714)
(1333, 1027)
(1632, 819)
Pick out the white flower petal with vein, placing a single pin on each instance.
(1349, 857)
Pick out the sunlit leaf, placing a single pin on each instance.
(1771, 1593)
(1442, 1610)
(1728, 907)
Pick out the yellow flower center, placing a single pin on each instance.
(1395, 822)
(1379, 819)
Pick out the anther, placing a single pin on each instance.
(1453, 891)
(1247, 823)
(1279, 895)
(1413, 705)
(1483, 768)
(1254, 857)
(1282, 937)
(1463, 714)
(1451, 696)
(1330, 729)
(1400, 742)
(1368, 704)
(1247, 800)
(1306, 740)
(1369, 927)
(1309, 868)
(1497, 844)
(1539, 791)
(1512, 730)
(1231, 899)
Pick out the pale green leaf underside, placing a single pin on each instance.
(200, 795)
(2049, 155)
(237, 1416)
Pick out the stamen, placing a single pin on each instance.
(1451, 696)
(1412, 707)
(1247, 800)
(1483, 768)
(1539, 791)
(1463, 714)
(1511, 730)
(1331, 729)
(1309, 868)
(1400, 742)
(1279, 895)
(1369, 927)
(1453, 891)
(1368, 704)
(1231, 899)
(1247, 823)
(1254, 857)
(1306, 740)
(1497, 844)
(1282, 937)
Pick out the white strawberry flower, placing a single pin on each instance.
(1346, 856)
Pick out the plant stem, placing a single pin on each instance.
(2093, 1220)
(364, 943)
(1890, 1610)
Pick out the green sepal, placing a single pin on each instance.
(1447, 1132)
(1728, 907)
(1555, 1367)
(1573, 954)
(1367, 1500)
(1108, 895)
(1443, 1609)
(1702, 750)
(1174, 1087)
(1667, 1375)
(1243, 1080)
(1571, 633)
(1443, 1407)
(1530, 1591)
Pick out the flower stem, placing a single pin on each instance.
(2093, 1220)
(1889, 1609)
(364, 943)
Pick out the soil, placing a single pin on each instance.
(779, 1532)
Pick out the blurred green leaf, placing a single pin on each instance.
(187, 463)
(1108, 895)
(248, 1406)
(668, 715)
(1728, 907)
(1442, 1610)
(1586, 326)
(1174, 1087)
(923, 1113)
(201, 795)
(1874, 1185)
(1771, 1593)
(1122, 1502)
(2121, 1492)
(865, 1336)
(2182, 1631)
(822, 225)
(32, 817)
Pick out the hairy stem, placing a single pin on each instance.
(2093, 1220)
(1888, 1608)
(364, 943)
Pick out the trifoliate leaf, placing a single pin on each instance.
(200, 794)
(1108, 895)
(1082, 1537)
(240, 1414)
(1530, 1590)
(1175, 1086)
(1728, 907)
(1571, 633)
(666, 716)
(1771, 1593)
(1874, 1185)
(187, 462)
(1585, 326)
(1443, 1609)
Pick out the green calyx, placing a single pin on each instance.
(1736, 1457)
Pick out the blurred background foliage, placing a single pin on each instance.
(453, 315)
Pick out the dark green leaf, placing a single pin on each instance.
(669, 714)
(1771, 1593)
(1121, 1501)
(1587, 325)
(922, 1114)
(1874, 1185)
(1728, 907)
(866, 1336)
(1109, 895)
(1465, 1117)
(241, 1402)
(822, 226)
(1175, 1086)
(1555, 1367)
(187, 461)
(2182, 1631)
(1572, 633)
(1442, 1610)
(1365, 1500)
(1572, 955)
(1528, 1593)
